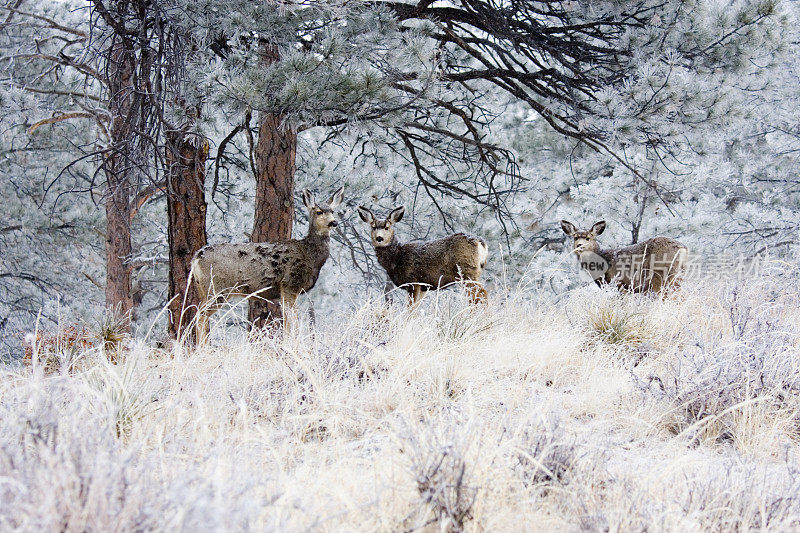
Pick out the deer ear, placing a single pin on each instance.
(397, 214)
(568, 227)
(337, 198)
(308, 199)
(365, 214)
(599, 228)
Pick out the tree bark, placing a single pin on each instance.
(186, 229)
(115, 167)
(275, 154)
(118, 250)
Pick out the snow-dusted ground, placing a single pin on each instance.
(587, 411)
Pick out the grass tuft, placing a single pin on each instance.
(112, 333)
(611, 322)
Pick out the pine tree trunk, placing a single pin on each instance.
(274, 208)
(186, 230)
(118, 250)
(115, 167)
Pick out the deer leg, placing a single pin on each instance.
(415, 295)
(201, 319)
(201, 328)
(671, 286)
(641, 282)
(657, 285)
(288, 301)
(263, 312)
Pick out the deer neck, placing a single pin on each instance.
(606, 254)
(318, 247)
(599, 263)
(389, 255)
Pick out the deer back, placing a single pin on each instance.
(251, 267)
(645, 265)
(435, 263)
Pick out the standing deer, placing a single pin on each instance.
(273, 270)
(421, 266)
(654, 265)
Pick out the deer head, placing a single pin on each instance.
(584, 241)
(320, 215)
(382, 231)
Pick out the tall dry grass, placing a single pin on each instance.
(589, 410)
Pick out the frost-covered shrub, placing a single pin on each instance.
(742, 498)
(753, 365)
(69, 470)
(545, 454)
(441, 458)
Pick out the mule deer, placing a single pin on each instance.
(273, 270)
(653, 265)
(421, 266)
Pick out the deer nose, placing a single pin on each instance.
(379, 238)
(333, 224)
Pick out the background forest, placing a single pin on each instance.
(134, 131)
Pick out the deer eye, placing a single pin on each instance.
(318, 212)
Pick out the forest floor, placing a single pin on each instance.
(589, 410)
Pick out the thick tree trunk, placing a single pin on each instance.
(115, 165)
(274, 208)
(186, 211)
(275, 164)
(118, 250)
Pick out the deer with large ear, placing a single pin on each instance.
(655, 265)
(308, 199)
(598, 228)
(366, 214)
(336, 198)
(396, 215)
(421, 266)
(270, 270)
